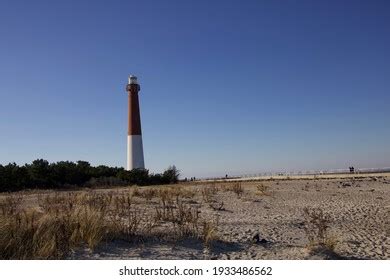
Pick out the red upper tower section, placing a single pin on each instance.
(132, 89)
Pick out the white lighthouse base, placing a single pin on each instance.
(135, 152)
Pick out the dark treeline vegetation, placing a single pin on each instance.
(66, 174)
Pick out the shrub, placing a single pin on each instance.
(237, 189)
(183, 218)
(317, 224)
(262, 189)
(208, 233)
(171, 175)
(208, 193)
(149, 193)
(104, 181)
(137, 176)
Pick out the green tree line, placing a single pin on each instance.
(67, 174)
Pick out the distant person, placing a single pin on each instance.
(226, 176)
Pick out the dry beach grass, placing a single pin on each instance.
(339, 218)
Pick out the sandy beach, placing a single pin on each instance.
(261, 220)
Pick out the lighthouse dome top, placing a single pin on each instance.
(133, 80)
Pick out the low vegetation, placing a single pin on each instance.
(67, 175)
(317, 224)
(63, 222)
(262, 189)
(236, 188)
(208, 192)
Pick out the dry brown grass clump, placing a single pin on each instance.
(173, 193)
(208, 193)
(187, 193)
(33, 235)
(182, 219)
(262, 189)
(236, 188)
(208, 232)
(306, 187)
(149, 193)
(317, 223)
(154, 192)
(136, 191)
(11, 204)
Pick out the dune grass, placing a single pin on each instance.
(64, 222)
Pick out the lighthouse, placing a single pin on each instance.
(135, 152)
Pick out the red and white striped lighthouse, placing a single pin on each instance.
(135, 152)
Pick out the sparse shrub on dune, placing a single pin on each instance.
(183, 192)
(317, 224)
(306, 187)
(188, 193)
(172, 193)
(208, 192)
(236, 188)
(58, 202)
(91, 226)
(262, 189)
(208, 233)
(136, 191)
(166, 196)
(149, 193)
(121, 202)
(97, 201)
(182, 218)
(126, 225)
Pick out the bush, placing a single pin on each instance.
(317, 223)
(66, 174)
(138, 177)
(237, 189)
(171, 175)
(105, 181)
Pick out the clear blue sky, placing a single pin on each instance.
(226, 86)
